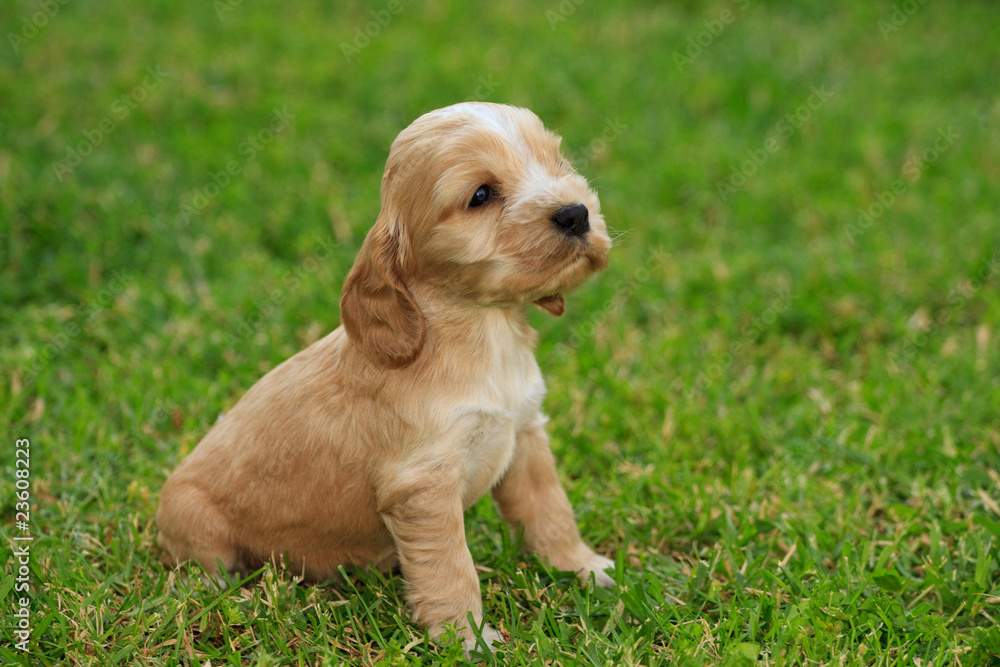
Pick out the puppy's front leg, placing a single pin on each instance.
(441, 583)
(530, 494)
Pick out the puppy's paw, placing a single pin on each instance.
(471, 640)
(596, 566)
(490, 636)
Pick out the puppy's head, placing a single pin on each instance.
(479, 206)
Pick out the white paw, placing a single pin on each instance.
(489, 636)
(597, 567)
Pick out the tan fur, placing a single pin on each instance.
(368, 446)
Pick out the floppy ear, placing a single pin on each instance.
(376, 307)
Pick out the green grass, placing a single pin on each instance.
(782, 418)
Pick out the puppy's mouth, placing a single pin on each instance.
(554, 304)
(582, 262)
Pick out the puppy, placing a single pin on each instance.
(368, 446)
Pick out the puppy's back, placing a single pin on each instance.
(287, 454)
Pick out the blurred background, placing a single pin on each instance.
(797, 332)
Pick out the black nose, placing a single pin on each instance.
(572, 220)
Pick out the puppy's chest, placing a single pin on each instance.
(492, 414)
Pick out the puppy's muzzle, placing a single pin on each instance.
(572, 220)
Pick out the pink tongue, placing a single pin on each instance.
(554, 304)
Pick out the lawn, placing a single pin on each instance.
(778, 409)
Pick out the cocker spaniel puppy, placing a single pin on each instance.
(368, 446)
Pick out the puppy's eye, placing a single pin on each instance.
(483, 195)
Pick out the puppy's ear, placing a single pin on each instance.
(376, 307)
